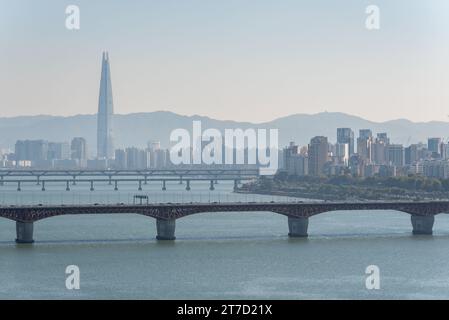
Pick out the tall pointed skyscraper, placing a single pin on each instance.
(105, 145)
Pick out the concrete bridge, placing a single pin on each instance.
(298, 213)
(20, 177)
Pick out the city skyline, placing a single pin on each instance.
(319, 151)
(376, 156)
(222, 64)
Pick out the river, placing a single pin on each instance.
(217, 255)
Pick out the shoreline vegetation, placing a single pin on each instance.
(346, 187)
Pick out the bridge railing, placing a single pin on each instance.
(9, 198)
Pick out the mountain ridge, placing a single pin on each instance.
(135, 129)
(208, 117)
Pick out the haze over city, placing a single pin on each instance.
(227, 59)
(234, 152)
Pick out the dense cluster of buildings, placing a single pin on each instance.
(42, 154)
(366, 156)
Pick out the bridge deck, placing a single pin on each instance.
(422, 213)
(142, 173)
(179, 210)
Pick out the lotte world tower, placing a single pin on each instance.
(105, 145)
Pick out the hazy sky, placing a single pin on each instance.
(249, 60)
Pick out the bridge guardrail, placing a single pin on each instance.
(8, 198)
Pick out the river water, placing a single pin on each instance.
(217, 255)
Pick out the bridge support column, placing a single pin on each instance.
(116, 185)
(297, 227)
(24, 232)
(422, 224)
(236, 185)
(18, 186)
(67, 186)
(91, 185)
(43, 185)
(164, 187)
(188, 185)
(1, 181)
(140, 185)
(165, 229)
(38, 179)
(212, 188)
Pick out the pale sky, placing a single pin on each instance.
(245, 60)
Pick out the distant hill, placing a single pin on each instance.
(137, 128)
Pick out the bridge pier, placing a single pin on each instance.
(92, 185)
(212, 188)
(115, 185)
(164, 187)
(140, 185)
(188, 185)
(18, 186)
(67, 186)
(422, 225)
(24, 232)
(297, 227)
(165, 229)
(43, 185)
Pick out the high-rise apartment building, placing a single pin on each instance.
(32, 150)
(395, 155)
(346, 135)
(318, 155)
(364, 144)
(434, 145)
(78, 147)
(58, 151)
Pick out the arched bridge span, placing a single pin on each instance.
(422, 213)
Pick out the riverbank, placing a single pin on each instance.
(412, 188)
